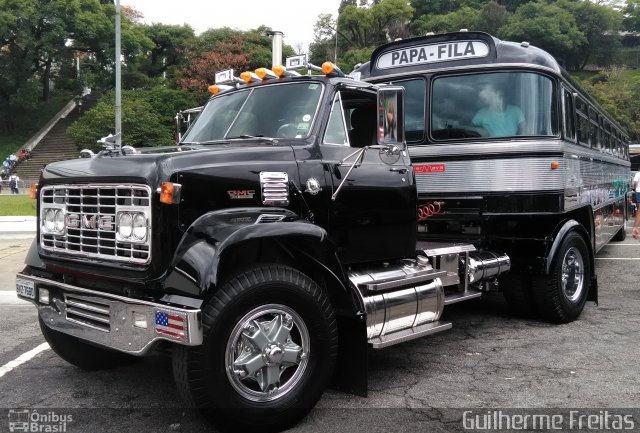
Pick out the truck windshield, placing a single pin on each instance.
(274, 111)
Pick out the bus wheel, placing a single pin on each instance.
(561, 295)
(519, 294)
(269, 348)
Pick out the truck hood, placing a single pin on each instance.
(154, 168)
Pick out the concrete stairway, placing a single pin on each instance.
(55, 146)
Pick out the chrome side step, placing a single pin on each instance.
(409, 334)
(461, 297)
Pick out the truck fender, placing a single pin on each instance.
(198, 261)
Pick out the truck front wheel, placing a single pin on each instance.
(83, 355)
(561, 295)
(270, 343)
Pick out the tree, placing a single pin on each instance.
(492, 17)
(464, 18)
(600, 25)
(167, 52)
(553, 29)
(618, 92)
(632, 16)
(147, 118)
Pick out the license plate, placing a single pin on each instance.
(26, 288)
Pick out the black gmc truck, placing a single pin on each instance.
(269, 250)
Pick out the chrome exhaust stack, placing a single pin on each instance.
(486, 265)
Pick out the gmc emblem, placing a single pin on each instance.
(92, 222)
(236, 194)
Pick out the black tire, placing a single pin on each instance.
(212, 377)
(84, 355)
(559, 302)
(621, 235)
(518, 292)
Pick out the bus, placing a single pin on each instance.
(511, 154)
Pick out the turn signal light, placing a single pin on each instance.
(555, 165)
(170, 193)
(327, 68)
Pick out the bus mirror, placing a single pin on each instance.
(390, 129)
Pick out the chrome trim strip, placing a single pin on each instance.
(122, 335)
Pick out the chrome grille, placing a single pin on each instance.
(275, 188)
(93, 209)
(88, 312)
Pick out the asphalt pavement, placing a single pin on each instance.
(490, 360)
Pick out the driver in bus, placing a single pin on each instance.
(497, 117)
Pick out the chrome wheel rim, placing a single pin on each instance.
(572, 274)
(267, 353)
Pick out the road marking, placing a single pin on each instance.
(23, 358)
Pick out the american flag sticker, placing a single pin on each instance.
(170, 324)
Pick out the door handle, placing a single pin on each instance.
(401, 170)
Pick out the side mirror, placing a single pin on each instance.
(391, 116)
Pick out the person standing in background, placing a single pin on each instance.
(13, 184)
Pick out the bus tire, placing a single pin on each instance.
(269, 348)
(84, 355)
(561, 295)
(518, 292)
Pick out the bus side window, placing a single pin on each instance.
(569, 119)
(583, 122)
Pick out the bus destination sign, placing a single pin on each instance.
(433, 53)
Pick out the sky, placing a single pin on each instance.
(295, 18)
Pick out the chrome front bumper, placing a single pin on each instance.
(117, 322)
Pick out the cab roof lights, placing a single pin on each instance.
(300, 62)
(282, 72)
(265, 74)
(219, 88)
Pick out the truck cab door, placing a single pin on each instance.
(373, 215)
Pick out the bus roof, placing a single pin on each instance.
(459, 49)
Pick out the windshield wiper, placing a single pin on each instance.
(245, 136)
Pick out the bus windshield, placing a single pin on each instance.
(276, 111)
(502, 104)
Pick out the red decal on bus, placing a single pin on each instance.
(429, 168)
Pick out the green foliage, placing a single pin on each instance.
(464, 18)
(17, 205)
(352, 57)
(618, 91)
(547, 26)
(147, 118)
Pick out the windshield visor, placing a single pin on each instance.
(274, 111)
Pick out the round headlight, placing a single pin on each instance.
(125, 222)
(139, 226)
(59, 221)
(49, 220)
